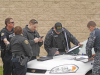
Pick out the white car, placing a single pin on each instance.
(66, 64)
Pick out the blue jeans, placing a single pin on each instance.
(17, 68)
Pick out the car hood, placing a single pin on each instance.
(56, 61)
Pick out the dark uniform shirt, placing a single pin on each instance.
(90, 43)
(94, 41)
(30, 35)
(6, 55)
(59, 39)
(21, 53)
(6, 34)
(20, 46)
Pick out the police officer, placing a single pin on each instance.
(21, 52)
(59, 37)
(6, 34)
(94, 41)
(33, 37)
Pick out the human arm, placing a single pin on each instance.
(6, 41)
(71, 38)
(31, 41)
(90, 44)
(40, 43)
(48, 42)
(4, 38)
(27, 48)
(40, 40)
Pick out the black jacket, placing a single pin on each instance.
(6, 34)
(50, 40)
(20, 46)
(31, 36)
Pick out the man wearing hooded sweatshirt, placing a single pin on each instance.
(33, 37)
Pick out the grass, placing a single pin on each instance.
(1, 70)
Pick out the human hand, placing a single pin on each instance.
(36, 40)
(80, 44)
(90, 58)
(57, 52)
(40, 39)
(6, 41)
(93, 55)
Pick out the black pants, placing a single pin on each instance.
(7, 63)
(17, 68)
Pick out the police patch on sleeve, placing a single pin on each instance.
(26, 41)
(2, 34)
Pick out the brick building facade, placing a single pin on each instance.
(73, 14)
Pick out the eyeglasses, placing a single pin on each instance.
(36, 21)
(11, 22)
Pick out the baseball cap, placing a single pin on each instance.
(58, 27)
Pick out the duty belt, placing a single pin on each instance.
(16, 56)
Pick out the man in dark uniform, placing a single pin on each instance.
(21, 52)
(59, 37)
(33, 37)
(94, 41)
(6, 34)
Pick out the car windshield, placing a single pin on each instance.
(83, 48)
(80, 50)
